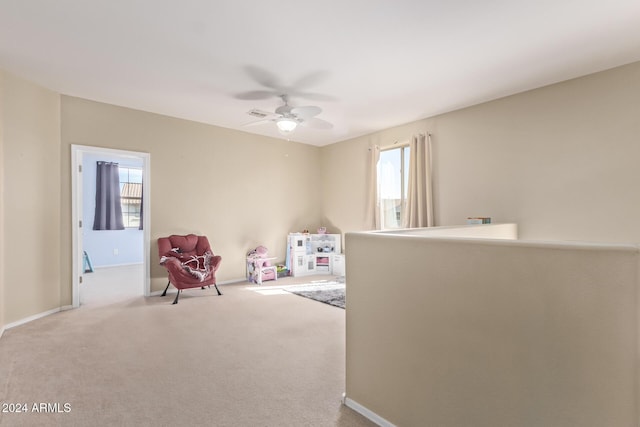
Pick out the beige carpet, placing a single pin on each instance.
(109, 285)
(241, 359)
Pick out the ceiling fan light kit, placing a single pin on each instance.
(287, 118)
(286, 124)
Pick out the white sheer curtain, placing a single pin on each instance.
(373, 208)
(419, 211)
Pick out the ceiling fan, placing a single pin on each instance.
(274, 87)
(287, 118)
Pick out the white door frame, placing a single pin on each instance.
(77, 152)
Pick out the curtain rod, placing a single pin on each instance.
(419, 133)
(428, 134)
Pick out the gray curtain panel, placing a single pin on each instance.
(108, 214)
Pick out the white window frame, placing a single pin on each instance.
(126, 217)
(404, 175)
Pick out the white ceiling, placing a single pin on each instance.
(372, 64)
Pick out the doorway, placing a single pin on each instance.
(82, 160)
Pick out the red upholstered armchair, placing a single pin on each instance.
(189, 261)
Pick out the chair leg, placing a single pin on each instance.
(165, 289)
(216, 286)
(175, 301)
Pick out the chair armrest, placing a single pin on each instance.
(172, 264)
(215, 262)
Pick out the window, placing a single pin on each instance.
(393, 177)
(131, 196)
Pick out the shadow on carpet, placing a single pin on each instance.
(331, 293)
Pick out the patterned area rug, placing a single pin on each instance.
(332, 293)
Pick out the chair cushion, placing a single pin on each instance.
(181, 255)
(185, 243)
(200, 267)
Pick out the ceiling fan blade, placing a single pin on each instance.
(258, 123)
(255, 94)
(269, 80)
(306, 112)
(262, 76)
(317, 123)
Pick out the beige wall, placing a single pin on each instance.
(31, 205)
(444, 332)
(345, 174)
(560, 161)
(239, 189)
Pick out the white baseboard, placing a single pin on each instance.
(31, 318)
(365, 412)
(70, 307)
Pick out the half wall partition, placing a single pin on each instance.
(486, 330)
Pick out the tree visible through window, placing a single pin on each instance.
(131, 196)
(393, 177)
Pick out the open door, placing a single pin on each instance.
(78, 154)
